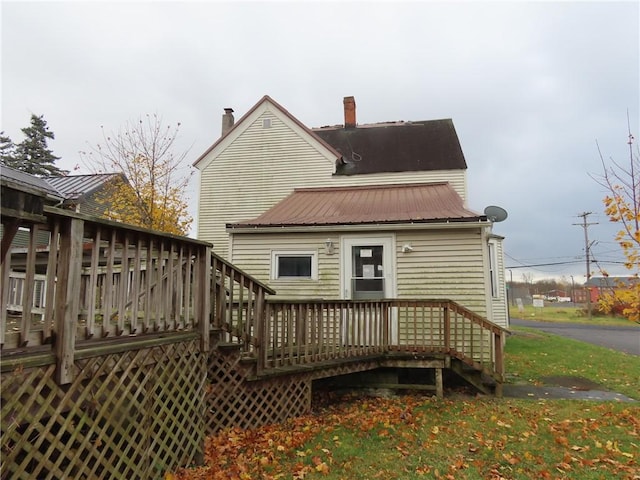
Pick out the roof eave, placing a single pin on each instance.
(475, 222)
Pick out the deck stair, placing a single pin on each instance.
(479, 379)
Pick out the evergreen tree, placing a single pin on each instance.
(32, 155)
(7, 149)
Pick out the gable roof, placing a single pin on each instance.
(377, 148)
(395, 147)
(408, 203)
(284, 111)
(74, 187)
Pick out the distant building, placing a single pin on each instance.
(597, 286)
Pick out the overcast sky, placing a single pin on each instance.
(530, 88)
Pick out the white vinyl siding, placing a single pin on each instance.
(253, 252)
(500, 313)
(257, 170)
(444, 264)
(252, 171)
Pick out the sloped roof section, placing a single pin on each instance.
(395, 147)
(407, 203)
(29, 183)
(73, 187)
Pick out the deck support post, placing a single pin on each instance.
(439, 386)
(499, 339)
(67, 299)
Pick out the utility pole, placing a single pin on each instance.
(585, 226)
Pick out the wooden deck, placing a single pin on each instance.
(123, 348)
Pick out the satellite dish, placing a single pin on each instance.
(495, 214)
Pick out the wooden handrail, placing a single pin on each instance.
(104, 278)
(288, 337)
(101, 279)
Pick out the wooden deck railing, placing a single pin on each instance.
(237, 304)
(80, 280)
(297, 333)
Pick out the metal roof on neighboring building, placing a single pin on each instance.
(75, 186)
(395, 147)
(407, 203)
(27, 182)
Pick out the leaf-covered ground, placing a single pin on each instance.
(461, 437)
(416, 436)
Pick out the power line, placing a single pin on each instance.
(545, 264)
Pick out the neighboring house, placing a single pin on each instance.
(87, 194)
(23, 199)
(598, 286)
(349, 211)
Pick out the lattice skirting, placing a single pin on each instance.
(128, 415)
(232, 401)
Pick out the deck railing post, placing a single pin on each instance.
(386, 327)
(67, 298)
(447, 328)
(203, 284)
(263, 316)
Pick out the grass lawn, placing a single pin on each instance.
(460, 437)
(557, 312)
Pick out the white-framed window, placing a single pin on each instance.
(292, 264)
(266, 123)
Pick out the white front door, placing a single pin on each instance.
(368, 272)
(368, 267)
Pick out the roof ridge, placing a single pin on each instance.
(385, 123)
(82, 175)
(369, 187)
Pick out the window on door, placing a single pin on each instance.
(368, 273)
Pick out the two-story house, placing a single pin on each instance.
(349, 211)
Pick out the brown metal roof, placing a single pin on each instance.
(395, 147)
(408, 203)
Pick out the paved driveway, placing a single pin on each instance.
(623, 339)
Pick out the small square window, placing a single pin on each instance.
(266, 123)
(294, 265)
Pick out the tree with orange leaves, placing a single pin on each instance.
(622, 206)
(153, 195)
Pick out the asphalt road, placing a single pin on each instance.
(623, 339)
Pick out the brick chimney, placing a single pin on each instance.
(349, 112)
(227, 120)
